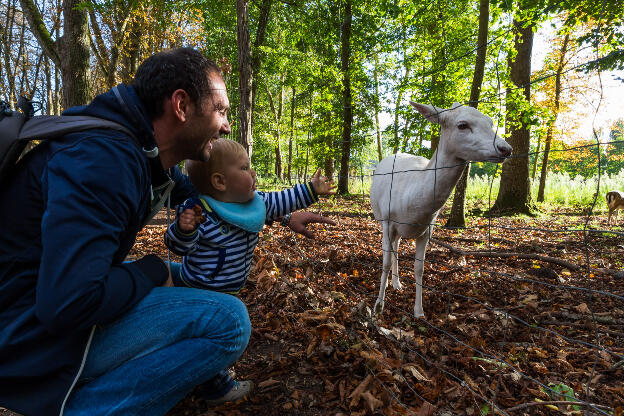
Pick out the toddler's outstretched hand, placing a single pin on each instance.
(322, 185)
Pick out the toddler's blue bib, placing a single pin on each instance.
(250, 216)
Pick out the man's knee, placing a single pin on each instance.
(243, 324)
(227, 319)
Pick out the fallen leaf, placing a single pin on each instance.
(582, 308)
(357, 393)
(427, 409)
(267, 383)
(372, 401)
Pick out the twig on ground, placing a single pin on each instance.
(547, 259)
(615, 273)
(556, 402)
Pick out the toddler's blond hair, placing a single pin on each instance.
(223, 153)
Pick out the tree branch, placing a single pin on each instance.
(547, 259)
(38, 28)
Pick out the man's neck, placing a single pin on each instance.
(163, 134)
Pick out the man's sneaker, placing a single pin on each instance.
(240, 390)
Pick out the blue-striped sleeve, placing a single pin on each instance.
(179, 242)
(284, 202)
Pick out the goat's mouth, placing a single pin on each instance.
(497, 159)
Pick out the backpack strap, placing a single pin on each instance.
(52, 127)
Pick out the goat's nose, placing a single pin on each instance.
(503, 148)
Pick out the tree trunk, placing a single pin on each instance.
(70, 52)
(537, 151)
(292, 132)
(7, 42)
(377, 127)
(277, 118)
(75, 55)
(398, 104)
(328, 163)
(245, 75)
(514, 195)
(278, 161)
(48, 85)
(343, 180)
(263, 22)
(561, 64)
(457, 217)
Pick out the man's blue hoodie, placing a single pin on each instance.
(69, 214)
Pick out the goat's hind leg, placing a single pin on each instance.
(396, 283)
(386, 247)
(419, 268)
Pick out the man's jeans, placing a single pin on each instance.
(173, 340)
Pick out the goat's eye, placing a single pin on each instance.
(463, 125)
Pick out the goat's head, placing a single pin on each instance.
(466, 133)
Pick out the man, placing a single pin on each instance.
(82, 332)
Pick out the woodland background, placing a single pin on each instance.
(524, 313)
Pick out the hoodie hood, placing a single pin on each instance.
(122, 105)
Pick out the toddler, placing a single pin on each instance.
(216, 233)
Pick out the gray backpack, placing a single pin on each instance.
(17, 129)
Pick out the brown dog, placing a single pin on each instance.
(615, 201)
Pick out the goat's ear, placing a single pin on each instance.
(430, 112)
(455, 105)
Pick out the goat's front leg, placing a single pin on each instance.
(419, 268)
(396, 283)
(386, 247)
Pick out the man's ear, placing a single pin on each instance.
(180, 105)
(217, 180)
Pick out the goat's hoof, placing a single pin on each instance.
(396, 284)
(379, 306)
(418, 313)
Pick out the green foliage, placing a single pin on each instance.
(561, 189)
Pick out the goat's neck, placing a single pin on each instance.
(443, 172)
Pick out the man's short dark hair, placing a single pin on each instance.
(164, 72)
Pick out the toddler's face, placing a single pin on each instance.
(240, 180)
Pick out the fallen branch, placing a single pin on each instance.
(582, 325)
(547, 259)
(571, 266)
(556, 402)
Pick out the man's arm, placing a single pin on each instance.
(92, 191)
(183, 188)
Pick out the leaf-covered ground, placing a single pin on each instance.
(498, 333)
(506, 334)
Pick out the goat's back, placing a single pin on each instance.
(393, 172)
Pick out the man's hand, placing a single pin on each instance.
(190, 218)
(322, 185)
(300, 219)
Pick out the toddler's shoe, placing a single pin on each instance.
(240, 390)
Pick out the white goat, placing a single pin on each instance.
(615, 201)
(408, 191)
